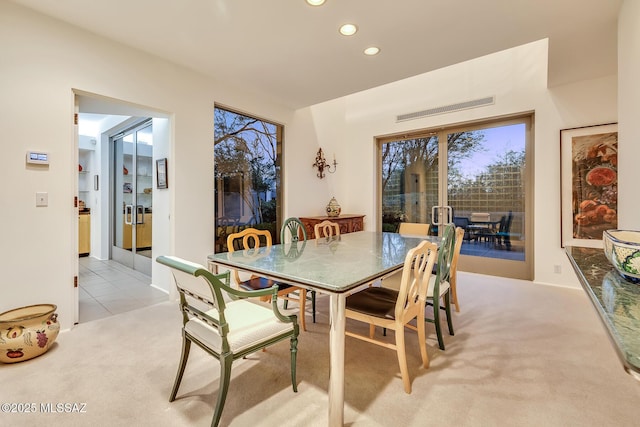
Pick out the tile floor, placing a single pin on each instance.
(107, 288)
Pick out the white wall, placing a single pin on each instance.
(43, 60)
(516, 77)
(629, 105)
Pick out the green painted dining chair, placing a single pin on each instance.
(225, 323)
(293, 231)
(439, 284)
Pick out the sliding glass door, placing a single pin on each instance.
(475, 176)
(133, 197)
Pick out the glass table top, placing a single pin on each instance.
(336, 265)
(617, 302)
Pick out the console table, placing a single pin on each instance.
(616, 300)
(348, 223)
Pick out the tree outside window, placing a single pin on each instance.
(247, 171)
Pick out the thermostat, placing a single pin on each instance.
(38, 157)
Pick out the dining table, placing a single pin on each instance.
(338, 267)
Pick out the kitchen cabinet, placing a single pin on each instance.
(84, 234)
(143, 234)
(349, 223)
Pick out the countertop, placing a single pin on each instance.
(616, 300)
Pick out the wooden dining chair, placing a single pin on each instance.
(293, 231)
(413, 228)
(394, 309)
(326, 229)
(225, 324)
(453, 275)
(249, 239)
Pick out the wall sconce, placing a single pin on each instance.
(322, 164)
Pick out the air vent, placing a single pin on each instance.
(447, 109)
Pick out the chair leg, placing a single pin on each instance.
(186, 346)
(313, 305)
(454, 295)
(402, 359)
(436, 321)
(223, 388)
(422, 340)
(447, 307)
(303, 314)
(294, 353)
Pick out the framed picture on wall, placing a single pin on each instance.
(589, 183)
(161, 173)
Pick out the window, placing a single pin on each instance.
(462, 174)
(247, 173)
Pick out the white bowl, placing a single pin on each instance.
(622, 249)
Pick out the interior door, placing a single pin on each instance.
(133, 197)
(475, 176)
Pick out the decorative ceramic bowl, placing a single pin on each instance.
(27, 332)
(622, 249)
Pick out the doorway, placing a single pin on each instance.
(476, 176)
(132, 193)
(105, 286)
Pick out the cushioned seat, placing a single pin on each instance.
(377, 301)
(248, 322)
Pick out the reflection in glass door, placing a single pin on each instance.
(482, 189)
(133, 197)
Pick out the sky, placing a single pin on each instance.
(497, 141)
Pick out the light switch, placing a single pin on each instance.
(42, 199)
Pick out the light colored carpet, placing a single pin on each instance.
(523, 355)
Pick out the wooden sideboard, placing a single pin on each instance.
(348, 223)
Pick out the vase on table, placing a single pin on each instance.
(333, 208)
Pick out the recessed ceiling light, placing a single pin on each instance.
(315, 2)
(348, 29)
(371, 51)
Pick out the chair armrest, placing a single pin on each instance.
(198, 270)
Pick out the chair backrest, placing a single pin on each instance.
(415, 280)
(326, 229)
(507, 223)
(291, 231)
(445, 256)
(413, 228)
(199, 290)
(249, 238)
(461, 221)
(503, 224)
(456, 254)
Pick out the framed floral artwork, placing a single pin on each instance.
(589, 183)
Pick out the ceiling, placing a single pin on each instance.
(292, 53)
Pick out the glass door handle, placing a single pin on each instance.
(439, 212)
(128, 214)
(139, 214)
